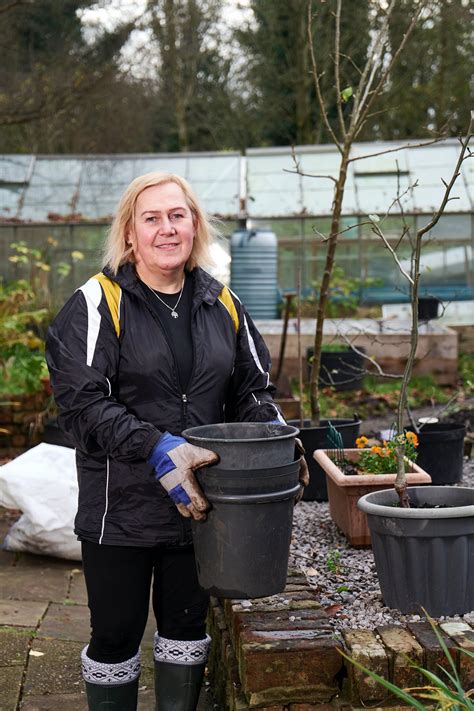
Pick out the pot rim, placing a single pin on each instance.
(389, 511)
(189, 432)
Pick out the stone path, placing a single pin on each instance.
(44, 624)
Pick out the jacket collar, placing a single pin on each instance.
(206, 288)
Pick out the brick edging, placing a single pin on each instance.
(280, 654)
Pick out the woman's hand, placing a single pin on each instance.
(303, 475)
(175, 460)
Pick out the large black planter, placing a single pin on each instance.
(424, 556)
(342, 370)
(441, 451)
(316, 438)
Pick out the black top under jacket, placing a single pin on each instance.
(117, 395)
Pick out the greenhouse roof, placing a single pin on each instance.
(260, 184)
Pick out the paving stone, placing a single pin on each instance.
(7, 558)
(31, 560)
(433, 654)
(364, 648)
(14, 643)
(57, 671)
(66, 622)
(21, 613)
(10, 685)
(55, 702)
(400, 644)
(77, 589)
(34, 583)
(463, 636)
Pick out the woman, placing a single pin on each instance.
(150, 346)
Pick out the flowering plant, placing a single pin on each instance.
(382, 459)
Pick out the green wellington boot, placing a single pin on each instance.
(122, 697)
(111, 686)
(179, 670)
(177, 686)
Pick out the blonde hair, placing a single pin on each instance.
(118, 252)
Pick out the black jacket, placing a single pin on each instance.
(117, 394)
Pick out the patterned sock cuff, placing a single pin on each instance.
(105, 674)
(178, 651)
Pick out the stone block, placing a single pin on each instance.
(34, 583)
(279, 620)
(463, 636)
(275, 669)
(364, 648)
(54, 668)
(66, 622)
(433, 655)
(21, 613)
(400, 644)
(10, 685)
(14, 644)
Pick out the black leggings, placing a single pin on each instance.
(118, 580)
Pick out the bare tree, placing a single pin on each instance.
(355, 105)
(413, 278)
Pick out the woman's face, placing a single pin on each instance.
(164, 231)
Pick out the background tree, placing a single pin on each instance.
(52, 79)
(193, 108)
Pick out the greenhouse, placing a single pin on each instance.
(62, 206)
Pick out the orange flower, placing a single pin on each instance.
(361, 442)
(376, 450)
(412, 438)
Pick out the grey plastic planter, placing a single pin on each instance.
(424, 556)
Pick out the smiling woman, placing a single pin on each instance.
(162, 236)
(147, 348)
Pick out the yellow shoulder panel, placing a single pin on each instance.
(112, 292)
(226, 299)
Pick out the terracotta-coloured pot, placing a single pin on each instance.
(345, 491)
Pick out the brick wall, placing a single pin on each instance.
(280, 654)
(20, 422)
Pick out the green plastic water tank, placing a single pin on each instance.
(253, 271)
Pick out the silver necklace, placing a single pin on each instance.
(174, 313)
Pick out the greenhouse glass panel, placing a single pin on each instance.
(15, 169)
(449, 227)
(52, 172)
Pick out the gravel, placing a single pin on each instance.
(345, 577)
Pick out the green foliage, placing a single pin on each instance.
(22, 370)
(22, 363)
(443, 689)
(382, 459)
(333, 562)
(344, 295)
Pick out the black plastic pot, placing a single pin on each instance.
(427, 308)
(316, 438)
(246, 445)
(243, 546)
(424, 556)
(441, 451)
(343, 370)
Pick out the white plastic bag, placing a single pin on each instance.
(42, 483)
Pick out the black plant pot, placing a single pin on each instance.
(427, 308)
(424, 556)
(441, 451)
(316, 438)
(343, 370)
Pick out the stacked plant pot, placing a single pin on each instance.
(242, 548)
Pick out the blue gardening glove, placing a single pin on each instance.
(303, 475)
(175, 460)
